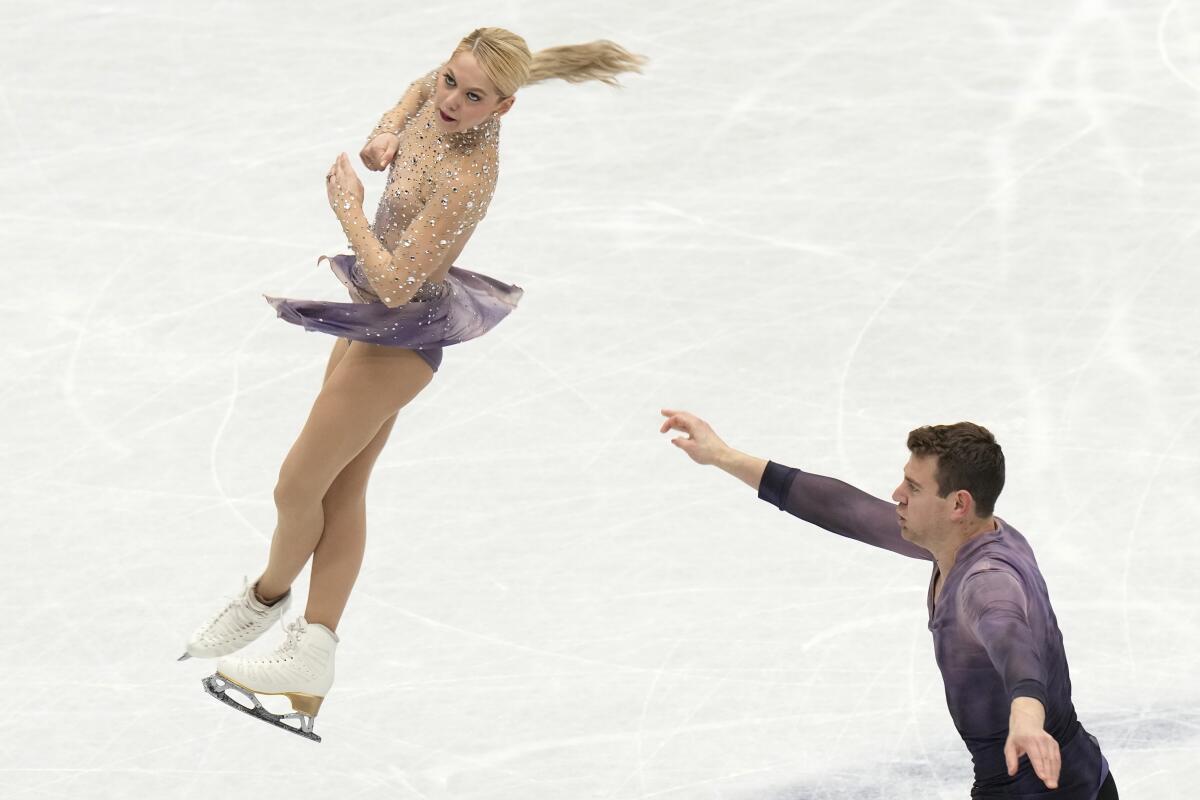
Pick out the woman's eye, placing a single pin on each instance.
(449, 81)
(473, 97)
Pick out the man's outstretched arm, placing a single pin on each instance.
(825, 502)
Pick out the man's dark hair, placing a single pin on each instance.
(968, 458)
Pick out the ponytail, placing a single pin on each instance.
(506, 60)
(575, 63)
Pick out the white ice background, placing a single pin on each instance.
(816, 224)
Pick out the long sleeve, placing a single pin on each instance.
(992, 605)
(396, 119)
(451, 214)
(837, 507)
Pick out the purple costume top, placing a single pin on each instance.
(995, 636)
(439, 188)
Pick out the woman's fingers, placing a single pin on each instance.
(340, 166)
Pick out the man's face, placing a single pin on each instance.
(922, 513)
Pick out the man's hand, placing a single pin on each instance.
(701, 444)
(704, 447)
(1027, 737)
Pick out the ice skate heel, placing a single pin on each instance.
(300, 669)
(304, 706)
(308, 704)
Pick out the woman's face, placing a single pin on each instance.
(465, 97)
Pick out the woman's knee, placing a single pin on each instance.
(345, 496)
(293, 492)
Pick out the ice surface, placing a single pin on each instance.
(817, 225)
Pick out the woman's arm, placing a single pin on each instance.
(453, 211)
(395, 120)
(384, 141)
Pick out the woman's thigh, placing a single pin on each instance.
(335, 357)
(361, 395)
(349, 488)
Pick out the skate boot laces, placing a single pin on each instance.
(287, 650)
(244, 616)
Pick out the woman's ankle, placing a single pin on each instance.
(265, 597)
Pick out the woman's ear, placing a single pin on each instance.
(504, 106)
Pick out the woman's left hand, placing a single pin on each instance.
(343, 188)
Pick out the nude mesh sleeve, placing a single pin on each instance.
(457, 204)
(396, 119)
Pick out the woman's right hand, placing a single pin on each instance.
(380, 151)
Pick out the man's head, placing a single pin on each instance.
(951, 481)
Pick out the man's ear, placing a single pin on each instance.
(964, 504)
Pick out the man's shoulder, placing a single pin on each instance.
(1008, 552)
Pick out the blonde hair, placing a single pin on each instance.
(507, 61)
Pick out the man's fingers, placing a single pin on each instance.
(1038, 760)
(676, 423)
(679, 417)
(1043, 756)
(1047, 763)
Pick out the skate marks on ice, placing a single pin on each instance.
(943, 772)
(220, 687)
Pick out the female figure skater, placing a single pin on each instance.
(442, 142)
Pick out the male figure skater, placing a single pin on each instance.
(995, 637)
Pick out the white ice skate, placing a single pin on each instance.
(236, 625)
(300, 669)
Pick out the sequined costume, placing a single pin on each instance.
(438, 189)
(995, 636)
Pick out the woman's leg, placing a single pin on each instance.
(339, 554)
(335, 357)
(364, 390)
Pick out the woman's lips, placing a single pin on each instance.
(446, 118)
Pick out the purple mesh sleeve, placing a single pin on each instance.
(992, 604)
(838, 507)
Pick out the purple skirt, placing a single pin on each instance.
(462, 306)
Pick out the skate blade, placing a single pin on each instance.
(306, 704)
(186, 655)
(218, 685)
